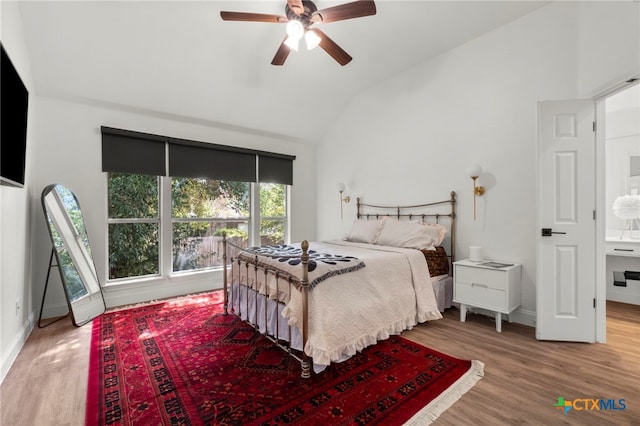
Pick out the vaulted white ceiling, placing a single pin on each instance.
(179, 58)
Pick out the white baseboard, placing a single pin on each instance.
(15, 346)
(523, 316)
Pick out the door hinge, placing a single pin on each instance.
(594, 303)
(594, 215)
(594, 126)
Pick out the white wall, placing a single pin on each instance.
(411, 138)
(67, 150)
(15, 208)
(608, 36)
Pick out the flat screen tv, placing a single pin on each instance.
(13, 123)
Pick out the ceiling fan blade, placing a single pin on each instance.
(281, 54)
(356, 9)
(330, 46)
(253, 17)
(296, 6)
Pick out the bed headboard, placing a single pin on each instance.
(428, 213)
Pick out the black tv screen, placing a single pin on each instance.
(13, 123)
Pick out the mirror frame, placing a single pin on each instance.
(73, 255)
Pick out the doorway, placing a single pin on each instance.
(618, 147)
(566, 198)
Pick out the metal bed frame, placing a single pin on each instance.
(248, 260)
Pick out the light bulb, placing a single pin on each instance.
(475, 170)
(292, 43)
(312, 39)
(295, 30)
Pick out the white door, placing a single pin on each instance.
(566, 243)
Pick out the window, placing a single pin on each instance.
(170, 200)
(273, 213)
(198, 210)
(201, 210)
(134, 225)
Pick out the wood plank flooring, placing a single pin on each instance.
(523, 377)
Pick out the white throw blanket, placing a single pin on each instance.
(352, 311)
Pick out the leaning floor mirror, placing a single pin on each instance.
(72, 254)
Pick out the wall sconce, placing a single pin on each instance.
(474, 171)
(342, 200)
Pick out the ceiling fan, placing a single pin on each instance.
(301, 15)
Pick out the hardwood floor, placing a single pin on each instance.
(523, 377)
(47, 384)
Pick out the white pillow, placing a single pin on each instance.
(364, 231)
(410, 234)
(437, 231)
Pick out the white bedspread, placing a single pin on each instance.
(352, 311)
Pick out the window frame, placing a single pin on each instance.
(284, 219)
(165, 222)
(209, 220)
(115, 221)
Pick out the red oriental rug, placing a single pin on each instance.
(182, 362)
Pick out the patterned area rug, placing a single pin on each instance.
(182, 362)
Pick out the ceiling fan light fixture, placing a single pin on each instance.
(312, 39)
(292, 43)
(295, 29)
(300, 15)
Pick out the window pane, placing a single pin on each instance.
(271, 232)
(273, 213)
(133, 250)
(132, 196)
(198, 245)
(205, 198)
(272, 200)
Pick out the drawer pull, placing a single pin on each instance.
(618, 249)
(479, 285)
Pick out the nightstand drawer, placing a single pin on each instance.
(490, 278)
(481, 296)
(614, 248)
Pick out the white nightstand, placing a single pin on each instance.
(482, 286)
(622, 247)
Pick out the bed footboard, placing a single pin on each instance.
(248, 260)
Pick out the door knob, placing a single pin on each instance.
(546, 232)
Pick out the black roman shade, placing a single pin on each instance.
(275, 169)
(124, 151)
(194, 159)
